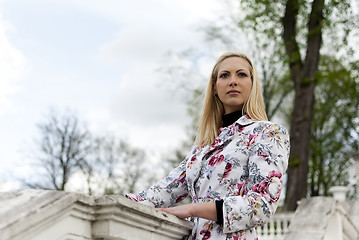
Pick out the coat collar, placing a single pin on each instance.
(244, 121)
(228, 132)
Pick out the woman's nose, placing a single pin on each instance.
(232, 82)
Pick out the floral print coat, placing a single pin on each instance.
(244, 166)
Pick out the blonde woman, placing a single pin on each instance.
(234, 173)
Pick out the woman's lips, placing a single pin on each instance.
(233, 92)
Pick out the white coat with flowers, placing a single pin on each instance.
(244, 166)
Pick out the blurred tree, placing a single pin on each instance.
(275, 79)
(109, 165)
(120, 165)
(64, 147)
(335, 125)
(297, 27)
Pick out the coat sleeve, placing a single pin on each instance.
(166, 192)
(268, 153)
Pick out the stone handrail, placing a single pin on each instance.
(46, 215)
(340, 226)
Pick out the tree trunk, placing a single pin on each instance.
(303, 76)
(300, 139)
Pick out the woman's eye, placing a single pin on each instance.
(242, 74)
(223, 75)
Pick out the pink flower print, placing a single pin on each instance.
(206, 231)
(181, 197)
(264, 155)
(275, 187)
(274, 174)
(251, 141)
(261, 187)
(216, 142)
(274, 190)
(216, 158)
(206, 234)
(181, 178)
(239, 237)
(227, 169)
(192, 161)
(242, 188)
(270, 186)
(240, 130)
(134, 197)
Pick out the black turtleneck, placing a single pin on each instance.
(230, 118)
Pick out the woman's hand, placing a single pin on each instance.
(182, 211)
(203, 210)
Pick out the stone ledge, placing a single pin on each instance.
(40, 214)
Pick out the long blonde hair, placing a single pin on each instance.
(211, 118)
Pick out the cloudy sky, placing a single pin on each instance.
(99, 59)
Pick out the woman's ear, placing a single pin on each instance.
(214, 91)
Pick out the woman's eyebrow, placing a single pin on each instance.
(239, 70)
(242, 69)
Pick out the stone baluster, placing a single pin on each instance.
(285, 225)
(279, 227)
(356, 158)
(272, 228)
(265, 230)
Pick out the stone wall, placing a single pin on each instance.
(46, 215)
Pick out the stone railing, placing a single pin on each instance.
(46, 215)
(276, 228)
(322, 218)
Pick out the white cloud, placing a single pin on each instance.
(8, 186)
(135, 44)
(120, 92)
(146, 11)
(12, 66)
(146, 112)
(147, 40)
(143, 109)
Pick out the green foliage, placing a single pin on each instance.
(294, 161)
(340, 22)
(335, 125)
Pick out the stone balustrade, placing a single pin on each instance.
(46, 215)
(276, 228)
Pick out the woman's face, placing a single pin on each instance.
(233, 83)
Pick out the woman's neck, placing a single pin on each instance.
(230, 118)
